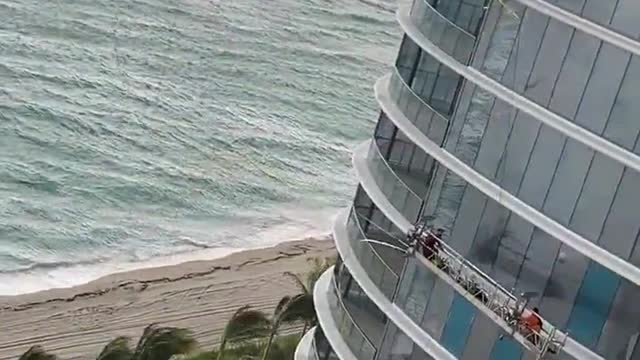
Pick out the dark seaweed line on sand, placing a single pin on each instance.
(141, 285)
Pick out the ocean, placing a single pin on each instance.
(139, 133)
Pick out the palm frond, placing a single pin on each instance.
(253, 348)
(146, 333)
(117, 349)
(37, 353)
(204, 355)
(299, 308)
(282, 304)
(298, 281)
(283, 348)
(247, 324)
(161, 343)
(318, 268)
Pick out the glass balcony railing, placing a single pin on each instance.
(314, 349)
(430, 122)
(322, 347)
(397, 192)
(352, 334)
(381, 272)
(452, 39)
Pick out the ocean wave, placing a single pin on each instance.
(289, 224)
(44, 266)
(369, 19)
(196, 244)
(26, 177)
(361, 18)
(40, 185)
(379, 5)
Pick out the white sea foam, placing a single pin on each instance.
(295, 225)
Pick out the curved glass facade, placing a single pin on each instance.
(575, 76)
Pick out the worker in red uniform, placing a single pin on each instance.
(531, 324)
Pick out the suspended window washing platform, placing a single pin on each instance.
(504, 308)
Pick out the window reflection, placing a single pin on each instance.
(323, 348)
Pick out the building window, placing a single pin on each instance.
(592, 304)
(456, 330)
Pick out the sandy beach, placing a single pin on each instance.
(75, 323)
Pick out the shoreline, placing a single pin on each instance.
(200, 295)
(99, 271)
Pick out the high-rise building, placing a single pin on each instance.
(513, 125)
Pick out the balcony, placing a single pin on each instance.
(397, 192)
(356, 254)
(381, 263)
(454, 40)
(341, 332)
(306, 349)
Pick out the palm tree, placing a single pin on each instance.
(117, 349)
(306, 285)
(284, 347)
(289, 309)
(37, 353)
(156, 343)
(161, 343)
(298, 307)
(245, 324)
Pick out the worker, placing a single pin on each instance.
(531, 325)
(431, 243)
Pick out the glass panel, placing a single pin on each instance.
(455, 332)
(355, 338)
(449, 37)
(379, 271)
(505, 349)
(635, 351)
(409, 52)
(322, 346)
(314, 349)
(368, 353)
(401, 196)
(465, 13)
(417, 284)
(430, 122)
(592, 304)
